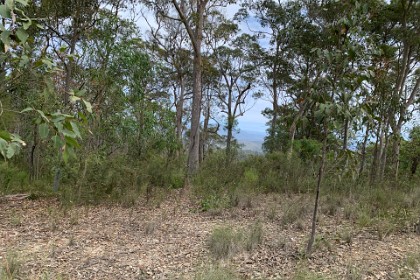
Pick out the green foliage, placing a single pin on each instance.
(307, 149)
(12, 178)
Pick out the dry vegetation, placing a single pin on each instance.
(172, 239)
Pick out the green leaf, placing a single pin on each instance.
(72, 142)
(88, 106)
(59, 126)
(5, 135)
(27, 24)
(27, 110)
(43, 115)
(16, 138)
(5, 38)
(12, 149)
(68, 133)
(5, 12)
(23, 2)
(22, 35)
(65, 154)
(10, 4)
(43, 130)
(68, 152)
(24, 60)
(58, 142)
(76, 129)
(74, 99)
(2, 28)
(3, 147)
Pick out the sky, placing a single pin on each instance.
(252, 125)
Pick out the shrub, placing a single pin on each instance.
(12, 179)
(224, 242)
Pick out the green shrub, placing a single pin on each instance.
(12, 178)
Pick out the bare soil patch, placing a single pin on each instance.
(169, 241)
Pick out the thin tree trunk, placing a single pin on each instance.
(318, 188)
(292, 130)
(180, 110)
(193, 152)
(363, 159)
(345, 134)
(32, 167)
(384, 157)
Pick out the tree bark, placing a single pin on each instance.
(363, 159)
(196, 37)
(318, 188)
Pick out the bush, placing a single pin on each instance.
(12, 179)
(224, 242)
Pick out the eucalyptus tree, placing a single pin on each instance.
(405, 15)
(193, 16)
(169, 44)
(67, 23)
(239, 71)
(279, 23)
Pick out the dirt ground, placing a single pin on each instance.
(168, 240)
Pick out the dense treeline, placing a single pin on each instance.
(97, 107)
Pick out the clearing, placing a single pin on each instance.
(40, 239)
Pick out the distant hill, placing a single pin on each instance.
(252, 140)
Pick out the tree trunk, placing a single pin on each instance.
(194, 147)
(32, 167)
(196, 37)
(383, 157)
(363, 159)
(292, 130)
(345, 134)
(396, 154)
(180, 110)
(229, 138)
(318, 188)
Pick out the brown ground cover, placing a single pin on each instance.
(169, 241)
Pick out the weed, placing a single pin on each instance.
(10, 268)
(16, 219)
(216, 273)
(254, 237)
(293, 212)
(347, 236)
(305, 274)
(384, 228)
(413, 260)
(150, 227)
(321, 242)
(364, 218)
(272, 213)
(353, 273)
(224, 242)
